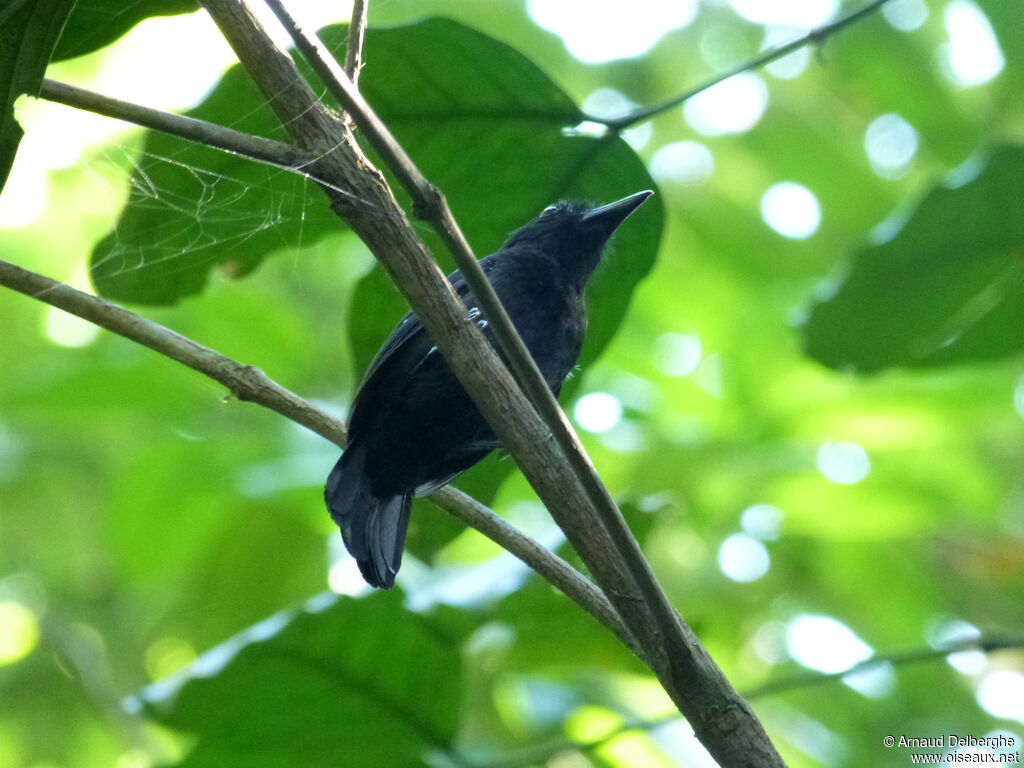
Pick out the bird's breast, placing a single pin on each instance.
(551, 319)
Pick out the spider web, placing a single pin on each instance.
(182, 218)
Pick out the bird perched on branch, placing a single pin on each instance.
(413, 427)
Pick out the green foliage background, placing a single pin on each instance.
(145, 521)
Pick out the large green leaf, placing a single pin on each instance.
(489, 128)
(95, 23)
(482, 121)
(341, 686)
(947, 287)
(192, 208)
(28, 34)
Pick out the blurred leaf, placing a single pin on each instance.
(28, 34)
(556, 637)
(430, 528)
(947, 287)
(95, 23)
(327, 688)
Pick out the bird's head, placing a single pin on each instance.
(576, 233)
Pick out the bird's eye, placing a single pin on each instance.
(549, 210)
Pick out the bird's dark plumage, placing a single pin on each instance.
(413, 427)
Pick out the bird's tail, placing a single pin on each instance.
(373, 528)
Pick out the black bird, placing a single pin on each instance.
(413, 427)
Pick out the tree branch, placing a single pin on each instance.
(253, 147)
(290, 157)
(356, 33)
(721, 719)
(898, 658)
(250, 384)
(818, 36)
(431, 205)
(540, 754)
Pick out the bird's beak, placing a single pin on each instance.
(607, 218)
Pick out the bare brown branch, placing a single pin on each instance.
(212, 135)
(721, 719)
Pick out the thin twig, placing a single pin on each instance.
(356, 33)
(817, 36)
(553, 568)
(540, 754)
(431, 205)
(253, 147)
(250, 384)
(898, 658)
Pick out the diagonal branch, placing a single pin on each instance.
(720, 717)
(816, 36)
(250, 384)
(212, 135)
(431, 205)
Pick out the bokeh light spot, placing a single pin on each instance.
(590, 723)
(19, 632)
(790, 13)
(27, 190)
(743, 558)
(598, 412)
(843, 463)
(968, 662)
(946, 633)
(684, 162)
(343, 577)
(677, 354)
(68, 330)
(972, 56)
(733, 106)
(791, 210)
(874, 680)
(825, 644)
(762, 521)
(905, 15)
(602, 30)
(168, 655)
(890, 143)
(608, 104)
(133, 758)
(1001, 694)
(791, 65)
(1018, 398)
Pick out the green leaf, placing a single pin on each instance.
(947, 287)
(192, 208)
(96, 23)
(324, 688)
(481, 120)
(489, 128)
(28, 34)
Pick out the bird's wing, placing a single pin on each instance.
(403, 351)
